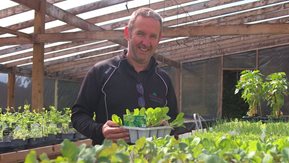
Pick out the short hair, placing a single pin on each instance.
(145, 12)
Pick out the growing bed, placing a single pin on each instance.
(236, 141)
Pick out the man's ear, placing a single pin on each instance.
(126, 33)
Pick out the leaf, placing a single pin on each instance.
(140, 143)
(285, 154)
(31, 157)
(142, 111)
(122, 157)
(210, 158)
(136, 111)
(69, 150)
(87, 154)
(267, 158)
(179, 121)
(116, 119)
(127, 112)
(44, 157)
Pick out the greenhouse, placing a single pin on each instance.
(209, 49)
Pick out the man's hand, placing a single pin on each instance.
(113, 132)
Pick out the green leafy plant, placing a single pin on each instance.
(276, 87)
(236, 141)
(179, 121)
(251, 84)
(116, 119)
(157, 116)
(153, 116)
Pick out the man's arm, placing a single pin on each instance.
(82, 110)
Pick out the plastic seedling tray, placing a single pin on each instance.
(137, 132)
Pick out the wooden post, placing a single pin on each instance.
(11, 88)
(220, 91)
(38, 59)
(178, 86)
(56, 93)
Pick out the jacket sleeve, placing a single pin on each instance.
(171, 97)
(82, 110)
(172, 102)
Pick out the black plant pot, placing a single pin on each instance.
(278, 119)
(51, 139)
(36, 142)
(79, 136)
(19, 144)
(59, 138)
(69, 136)
(5, 147)
(255, 118)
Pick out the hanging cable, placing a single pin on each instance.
(126, 5)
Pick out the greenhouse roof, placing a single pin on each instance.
(80, 33)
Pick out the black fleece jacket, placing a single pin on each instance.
(110, 87)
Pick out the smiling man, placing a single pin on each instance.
(143, 34)
(131, 80)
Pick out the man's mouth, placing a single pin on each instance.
(144, 48)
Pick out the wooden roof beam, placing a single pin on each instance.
(79, 36)
(17, 33)
(14, 41)
(33, 4)
(19, 9)
(222, 30)
(234, 50)
(183, 31)
(227, 46)
(73, 20)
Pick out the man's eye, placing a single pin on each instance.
(154, 36)
(140, 33)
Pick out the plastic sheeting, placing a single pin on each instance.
(200, 84)
(201, 80)
(66, 92)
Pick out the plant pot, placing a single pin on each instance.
(36, 142)
(51, 139)
(69, 136)
(278, 119)
(255, 119)
(19, 144)
(59, 138)
(79, 136)
(138, 132)
(5, 147)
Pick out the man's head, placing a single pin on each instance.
(143, 34)
(144, 12)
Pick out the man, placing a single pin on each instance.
(129, 81)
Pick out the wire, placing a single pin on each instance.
(126, 5)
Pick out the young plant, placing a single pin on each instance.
(153, 117)
(116, 119)
(251, 84)
(157, 116)
(276, 88)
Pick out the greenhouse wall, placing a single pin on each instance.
(66, 92)
(200, 84)
(203, 89)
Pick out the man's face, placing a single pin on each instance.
(143, 39)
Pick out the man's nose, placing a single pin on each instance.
(146, 41)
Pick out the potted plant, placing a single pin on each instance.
(276, 87)
(251, 84)
(148, 122)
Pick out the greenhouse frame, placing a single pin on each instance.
(48, 46)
